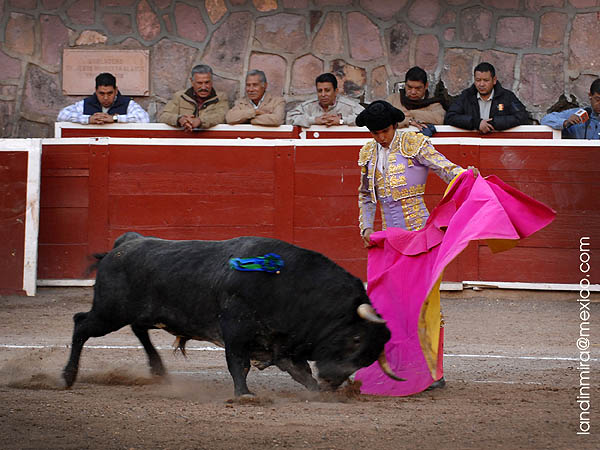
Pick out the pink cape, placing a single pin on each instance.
(405, 267)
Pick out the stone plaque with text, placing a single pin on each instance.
(130, 67)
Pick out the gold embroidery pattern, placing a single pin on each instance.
(366, 153)
(412, 143)
(413, 191)
(411, 208)
(445, 169)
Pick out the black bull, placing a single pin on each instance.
(310, 311)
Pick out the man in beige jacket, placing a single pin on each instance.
(419, 110)
(200, 106)
(257, 107)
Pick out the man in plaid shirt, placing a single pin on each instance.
(106, 105)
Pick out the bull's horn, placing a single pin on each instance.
(367, 312)
(386, 367)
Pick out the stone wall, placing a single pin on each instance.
(541, 48)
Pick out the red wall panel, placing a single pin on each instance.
(13, 204)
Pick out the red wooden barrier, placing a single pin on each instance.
(161, 130)
(303, 191)
(19, 208)
(520, 132)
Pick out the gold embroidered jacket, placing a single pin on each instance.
(399, 190)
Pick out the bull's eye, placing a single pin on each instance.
(356, 339)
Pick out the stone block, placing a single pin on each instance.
(90, 37)
(295, 4)
(216, 9)
(580, 87)
(228, 45)
(541, 84)
(265, 5)
(173, 61)
(329, 40)
(332, 2)
(34, 129)
(384, 9)
(427, 52)
(23, 4)
(230, 87)
(7, 114)
(379, 87)
(537, 5)
(504, 63)
(8, 92)
(190, 24)
(121, 4)
(553, 27)
(502, 4)
(147, 21)
(52, 4)
(515, 32)
(398, 40)
(11, 67)
(81, 12)
(281, 32)
(315, 18)
(583, 43)
(304, 71)
(274, 67)
(117, 24)
(352, 80)
(168, 23)
(448, 17)
(20, 33)
(457, 72)
(449, 34)
(424, 12)
(227, 49)
(476, 23)
(363, 36)
(55, 36)
(583, 3)
(163, 4)
(42, 97)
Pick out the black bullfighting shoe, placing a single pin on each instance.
(437, 384)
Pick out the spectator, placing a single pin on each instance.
(258, 107)
(328, 108)
(413, 100)
(573, 125)
(106, 105)
(486, 106)
(200, 106)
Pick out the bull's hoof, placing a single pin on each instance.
(69, 378)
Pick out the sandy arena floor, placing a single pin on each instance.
(511, 370)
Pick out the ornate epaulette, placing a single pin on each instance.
(366, 153)
(412, 143)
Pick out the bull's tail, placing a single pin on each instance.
(92, 267)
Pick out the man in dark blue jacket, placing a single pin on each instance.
(486, 106)
(106, 105)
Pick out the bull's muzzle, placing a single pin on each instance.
(367, 312)
(386, 367)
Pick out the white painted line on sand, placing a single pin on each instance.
(219, 349)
